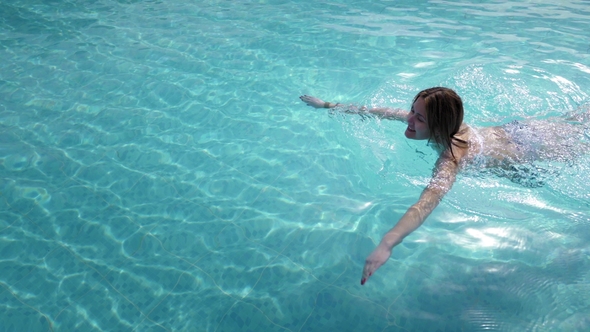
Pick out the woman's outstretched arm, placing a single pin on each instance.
(444, 176)
(381, 112)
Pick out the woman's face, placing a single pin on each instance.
(417, 122)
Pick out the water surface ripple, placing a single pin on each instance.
(158, 172)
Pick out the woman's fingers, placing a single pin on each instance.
(305, 98)
(370, 267)
(377, 258)
(312, 101)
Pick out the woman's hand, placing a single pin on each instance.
(377, 258)
(313, 101)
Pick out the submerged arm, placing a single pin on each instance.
(380, 112)
(444, 176)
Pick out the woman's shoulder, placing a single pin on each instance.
(463, 141)
(492, 142)
(469, 142)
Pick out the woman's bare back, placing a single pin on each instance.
(526, 141)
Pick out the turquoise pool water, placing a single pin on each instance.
(158, 172)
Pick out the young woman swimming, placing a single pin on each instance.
(436, 115)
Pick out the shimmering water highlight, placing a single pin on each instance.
(158, 172)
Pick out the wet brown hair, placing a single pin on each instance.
(444, 113)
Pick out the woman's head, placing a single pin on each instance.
(443, 116)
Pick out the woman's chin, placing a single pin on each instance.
(410, 134)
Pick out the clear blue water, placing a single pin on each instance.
(158, 172)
